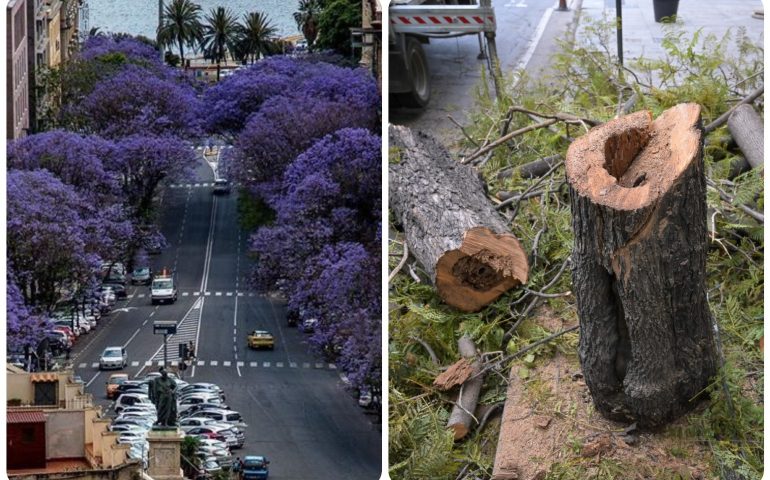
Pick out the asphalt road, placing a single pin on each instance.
(297, 410)
(455, 70)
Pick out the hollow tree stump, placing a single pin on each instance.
(638, 196)
(451, 228)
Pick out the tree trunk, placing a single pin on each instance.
(638, 196)
(746, 128)
(451, 228)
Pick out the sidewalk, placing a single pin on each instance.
(641, 34)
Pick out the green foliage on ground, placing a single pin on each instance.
(587, 83)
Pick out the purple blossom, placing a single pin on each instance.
(135, 50)
(134, 102)
(75, 159)
(23, 327)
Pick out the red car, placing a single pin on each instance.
(67, 331)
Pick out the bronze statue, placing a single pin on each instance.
(163, 394)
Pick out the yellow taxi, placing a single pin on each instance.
(114, 381)
(260, 339)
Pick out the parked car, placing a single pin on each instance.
(141, 276)
(113, 357)
(309, 324)
(230, 417)
(128, 399)
(191, 399)
(260, 339)
(203, 387)
(115, 380)
(107, 295)
(118, 288)
(254, 467)
(195, 410)
(126, 427)
(215, 431)
(222, 455)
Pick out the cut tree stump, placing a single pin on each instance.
(638, 195)
(746, 128)
(451, 228)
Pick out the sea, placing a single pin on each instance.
(140, 17)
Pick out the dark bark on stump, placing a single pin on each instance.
(638, 196)
(451, 228)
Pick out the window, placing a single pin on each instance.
(45, 393)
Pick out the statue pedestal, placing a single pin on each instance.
(165, 450)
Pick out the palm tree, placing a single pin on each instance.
(255, 34)
(220, 35)
(180, 26)
(306, 17)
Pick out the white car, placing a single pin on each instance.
(131, 399)
(113, 357)
(195, 399)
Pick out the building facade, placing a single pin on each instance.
(17, 68)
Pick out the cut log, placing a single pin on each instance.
(638, 198)
(746, 128)
(461, 417)
(455, 375)
(451, 227)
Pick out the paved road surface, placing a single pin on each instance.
(456, 71)
(298, 412)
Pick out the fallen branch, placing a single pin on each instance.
(451, 118)
(462, 413)
(729, 199)
(526, 349)
(725, 116)
(533, 169)
(427, 348)
(561, 116)
(506, 138)
(400, 264)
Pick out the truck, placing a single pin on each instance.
(414, 23)
(163, 288)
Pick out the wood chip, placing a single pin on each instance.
(455, 375)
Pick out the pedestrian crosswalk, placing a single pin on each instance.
(229, 364)
(195, 185)
(186, 332)
(205, 294)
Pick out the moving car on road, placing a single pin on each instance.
(163, 288)
(115, 380)
(260, 339)
(113, 357)
(221, 185)
(254, 467)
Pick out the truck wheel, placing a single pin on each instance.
(417, 63)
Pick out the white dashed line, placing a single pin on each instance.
(240, 294)
(265, 364)
(332, 366)
(196, 294)
(148, 363)
(226, 363)
(218, 294)
(319, 365)
(83, 365)
(305, 365)
(252, 364)
(95, 365)
(185, 294)
(208, 294)
(214, 363)
(134, 364)
(201, 363)
(229, 294)
(293, 364)
(279, 364)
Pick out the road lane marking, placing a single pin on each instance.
(201, 363)
(148, 363)
(185, 294)
(292, 364)
(214, 363)
(83, 365)
(238, 368)
(141, 295)
(209, 246)
(152, 313)
(252, 364)
(132, 337)
(92, 379)
(229, 294)
(265, 364)
(134, 364)
(240, 364)
(279, 364)
(305, 365)
(319, 365)
(226, 363)
(196, 294)
(208, 294)
(218, 294)
(240, 294)
(95, 365)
